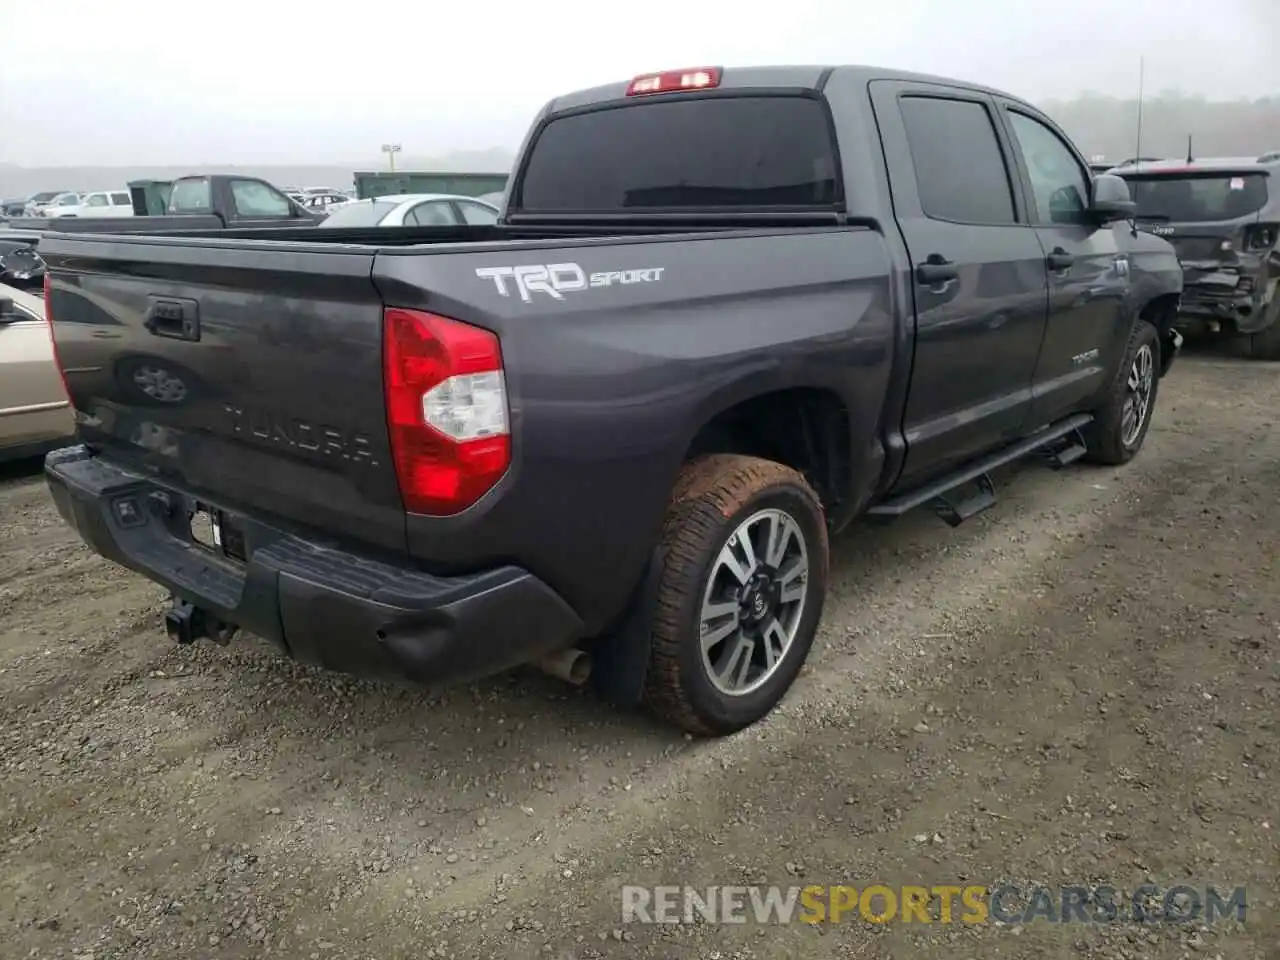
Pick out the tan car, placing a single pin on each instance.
(34, 413)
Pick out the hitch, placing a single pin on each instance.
(186, 623)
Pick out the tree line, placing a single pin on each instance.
(1108, 126)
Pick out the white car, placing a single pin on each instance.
(412, 210)
(35, 414)
(63, 201)
(103, 203)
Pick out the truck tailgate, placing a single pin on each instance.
(248, 372)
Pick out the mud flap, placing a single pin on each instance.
(620, 658)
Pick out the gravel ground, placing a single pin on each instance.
(1079, 686)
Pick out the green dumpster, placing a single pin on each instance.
(382, 183)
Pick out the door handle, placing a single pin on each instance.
(1059, 259)
(936, 270)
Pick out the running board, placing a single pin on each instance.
(956, 511)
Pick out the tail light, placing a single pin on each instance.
(669, 81)
(53, 342)
(446, 410)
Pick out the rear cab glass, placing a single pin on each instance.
(704, 152)
(1198, 197)
(191, 195)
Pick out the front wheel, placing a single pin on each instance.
(1121, 423)
(741, 593)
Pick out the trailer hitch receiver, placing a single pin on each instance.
(186, 623)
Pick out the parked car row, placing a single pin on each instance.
(69, 203)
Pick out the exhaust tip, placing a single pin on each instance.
(573, 666)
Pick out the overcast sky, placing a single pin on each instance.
(137, 81)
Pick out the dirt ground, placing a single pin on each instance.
(1078, 687)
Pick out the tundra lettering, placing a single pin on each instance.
(299, 434)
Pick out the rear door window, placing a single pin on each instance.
(706, 152)
(1200, 198)
(961, 173)
(121, 200)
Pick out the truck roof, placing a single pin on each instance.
(1201, 165)
(799, 77)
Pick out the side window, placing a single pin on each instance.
(254, 199)
(96, 200)
(121, 200)
(191, 196)
(960, 170)
(1059, 183)
(476, 214)
(434, 214)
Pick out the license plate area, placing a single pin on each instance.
(218, 532)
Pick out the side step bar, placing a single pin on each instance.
(955, 511)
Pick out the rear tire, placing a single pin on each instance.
(740, 594)
(1121, 423)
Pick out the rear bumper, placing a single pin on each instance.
(1218, 297)
(319, 604)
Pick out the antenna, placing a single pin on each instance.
(1189, 158)
(1137, 151)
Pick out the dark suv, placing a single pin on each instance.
(1223, 218)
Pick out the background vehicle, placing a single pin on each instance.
(214, 202)
(101, 203)
(492, 199)
(33, 203)
(1223, 218)
(20, 263)
(613, 433)
(35, 415)
(63, 204)
(412, 210)
(320, 203)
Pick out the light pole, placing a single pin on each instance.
(391, 149)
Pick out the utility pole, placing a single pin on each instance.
(391, 149)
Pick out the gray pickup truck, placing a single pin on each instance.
(726, 313)
(216, 201)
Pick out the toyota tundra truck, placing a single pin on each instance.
(727, 312)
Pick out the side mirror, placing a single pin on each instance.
(1110, 199)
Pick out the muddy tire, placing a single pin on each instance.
(1121, 423)
(740, 593)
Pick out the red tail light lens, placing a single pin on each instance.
(48, 317)
(694, 78)
(446, 410)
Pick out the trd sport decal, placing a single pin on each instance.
(557, 279)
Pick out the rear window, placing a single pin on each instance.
(360, 214)
(709, 152)
(192, 195)
(1192, 199)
